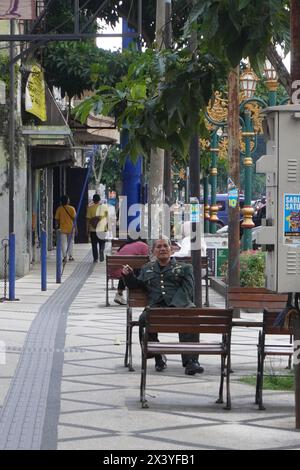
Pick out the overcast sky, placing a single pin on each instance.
(110, 43)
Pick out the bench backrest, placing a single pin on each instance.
(189, 320)
(117, 243)
(255, 297)
(137, 298)
(269, 318)
(115, 262)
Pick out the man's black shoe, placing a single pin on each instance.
(160, 363)
(193, 367)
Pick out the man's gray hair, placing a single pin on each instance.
(158, 239)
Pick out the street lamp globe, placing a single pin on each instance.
(271, 76)
(248, 81)
(270, 72)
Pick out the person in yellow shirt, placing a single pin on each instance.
(64, 218)
(97, 226)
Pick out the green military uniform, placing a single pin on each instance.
(167, 286)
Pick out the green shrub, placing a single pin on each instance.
(252, 269)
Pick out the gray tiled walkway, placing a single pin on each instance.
(64, 385)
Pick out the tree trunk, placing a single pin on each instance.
(156, 176)
(295, 40)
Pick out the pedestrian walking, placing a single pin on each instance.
(97, 226)
(64, 220)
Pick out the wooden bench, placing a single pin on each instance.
(254, 298)
(204, 265)
(115, 262)
(189, 320)
(269, 349)
(135, 298)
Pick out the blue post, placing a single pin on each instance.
(12, 266)
(43, 260)
(58, 257)
(132, 173)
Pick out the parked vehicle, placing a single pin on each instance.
(222, 202)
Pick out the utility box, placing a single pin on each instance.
(280, 234)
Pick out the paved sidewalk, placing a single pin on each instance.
(64, 385)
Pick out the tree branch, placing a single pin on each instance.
(284, 76)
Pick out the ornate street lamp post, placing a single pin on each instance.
(248, 81)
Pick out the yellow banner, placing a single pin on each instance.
(35, 98)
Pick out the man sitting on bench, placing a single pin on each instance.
(168, 284)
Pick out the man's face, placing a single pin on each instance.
(162, 250)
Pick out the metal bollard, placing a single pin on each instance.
(12, 266)
(5, 265)
(43, 260)
(58, 257)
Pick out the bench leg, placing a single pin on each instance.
(257, 376)
(261, 383)
(289, 366)
(130, 367)
(143, 382)
(127, 336)
(228, 396)
(206, 292)
(220, 399)
(107, 301)
(128, 351)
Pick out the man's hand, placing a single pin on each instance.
(127, 270)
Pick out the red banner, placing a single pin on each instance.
(17, 9)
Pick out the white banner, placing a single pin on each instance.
(17, 9)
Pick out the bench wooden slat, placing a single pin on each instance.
(280, 350)
(247, 323)
(186, 311)
(187, 319)
(232, 290)
(185, 348)
(256, 304)
(257, 297)
(188, 329)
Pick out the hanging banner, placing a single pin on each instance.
(35, 98)
(17, 9)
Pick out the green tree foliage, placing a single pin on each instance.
(239, 29)
(112, 170)
(160, 102)
(78, 66)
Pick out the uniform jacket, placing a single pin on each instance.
(173, 284)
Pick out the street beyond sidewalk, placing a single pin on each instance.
(64, 385)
